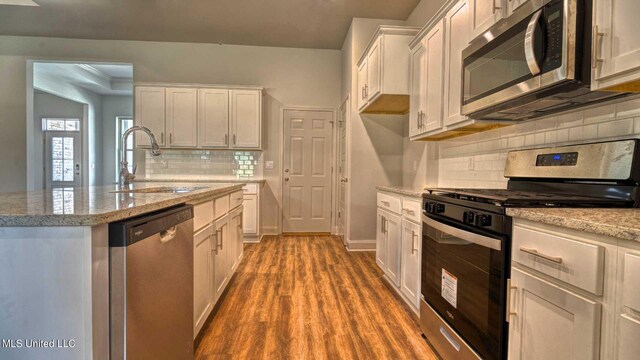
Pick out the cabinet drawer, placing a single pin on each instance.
(631, 296)
(628, 344)
(221, 206)
(236, 199)
(576, 263)
(390, 202)
(202, 215)
(250, 189)
(412, 209)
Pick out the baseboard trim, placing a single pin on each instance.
(361, 245)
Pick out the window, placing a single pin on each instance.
(50, 124)
(122, 124)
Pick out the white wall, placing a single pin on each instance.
(112, 107)
(291, 76)
(48, 105)
(374, 142)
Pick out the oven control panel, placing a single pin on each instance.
(464, 215)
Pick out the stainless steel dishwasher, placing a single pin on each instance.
(151, 286)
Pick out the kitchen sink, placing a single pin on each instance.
(160, 190)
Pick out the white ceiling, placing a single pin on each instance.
(320, 24)
(103, 79)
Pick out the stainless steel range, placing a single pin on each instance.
(467, 237)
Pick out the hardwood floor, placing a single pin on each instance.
(306, 297)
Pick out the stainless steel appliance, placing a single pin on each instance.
(467, 237)
(151, 286)
(533, 63)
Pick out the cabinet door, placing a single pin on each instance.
(418, 87)
(250, 214)
(362, 85)
(434, 43)
(213, 118)
(628, 347)
(182, 117)
(457, 38)
(374, 71)
(551, 322)
(150, 113)
(235, 231)
(411, 260)
(618, 47)
(394, 241)
(246, 118)
(381, 240)
(484, 13)
(220, 250)
(513, 5)
(240, 236)
(202, 281)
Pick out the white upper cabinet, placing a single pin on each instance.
(616, 45)
(433, 103)
(513, 5)
(362, 85)
(457, 38)
(150, 113)
(206, 117)
(246, 118)
(181, 116)
(213, 118)
(383, 72)
(418, 97)
(485, 13)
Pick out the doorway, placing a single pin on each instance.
(307, 171)
(62, 152)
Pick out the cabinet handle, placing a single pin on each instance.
(382, 221)
(215, 248)
(534, 252)
(170, 138)
(386, 228)
(226, 139)
(509, 311)
(234, 139)
(409, 211)
(386, 203)
(495, 8)
(413, 242)
(362, 93)
(366, 91)
(595, 44)
(420, 119)
(162, 137)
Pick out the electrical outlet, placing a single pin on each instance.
(268, 164)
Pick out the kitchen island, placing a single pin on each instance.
(54, 263)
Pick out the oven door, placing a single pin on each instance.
(532, 49)
(463, 279)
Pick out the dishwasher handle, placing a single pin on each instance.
(168, 235)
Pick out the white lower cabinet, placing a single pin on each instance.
(411, 261)
(399, 245)
(549, 322)
(217, 252)
(202, 277)
(251, 213)
(627, 346)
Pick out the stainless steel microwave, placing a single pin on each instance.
(535, 62)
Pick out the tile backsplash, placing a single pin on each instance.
(219, 163)
(478, 160)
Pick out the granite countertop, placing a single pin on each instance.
(619, 223)
(187, 179)
(89, 206)
(403, 190)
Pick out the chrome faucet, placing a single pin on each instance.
(125, 176)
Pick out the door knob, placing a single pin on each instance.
(286, 170)
(286, 179)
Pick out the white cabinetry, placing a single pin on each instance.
(150, 113)
(418, 98)
(457, 38)
(383, 72)
(205, 117)
(246, 118)
(213, 118)
(616, 45)
(217, 251)
(181, 116)
(251, 213)
(399, 244)
(549, 322)
(627, 346)
(513, 5)
(485, 13)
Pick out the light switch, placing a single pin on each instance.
(268, 164)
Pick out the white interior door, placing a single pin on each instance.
(307, 171)
(63, 159)
(342, 170)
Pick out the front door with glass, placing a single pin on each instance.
(63, 153)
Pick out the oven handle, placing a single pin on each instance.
(478, 239)
(529, 44)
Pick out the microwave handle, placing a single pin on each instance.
(529, 44)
